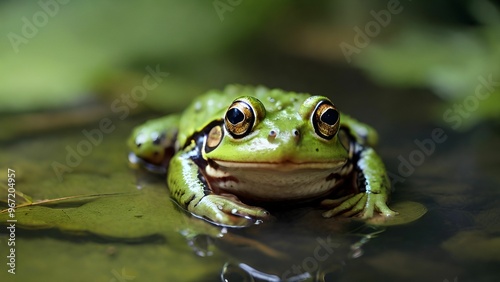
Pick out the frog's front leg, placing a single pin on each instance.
(190, 189)
(373, 184)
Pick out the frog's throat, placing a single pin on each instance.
(281, 166)
(276, 181)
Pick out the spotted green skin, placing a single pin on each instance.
(190, 169)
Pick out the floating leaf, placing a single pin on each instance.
(408, 212)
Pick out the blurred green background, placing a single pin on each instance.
(405, 67)
(60, 55)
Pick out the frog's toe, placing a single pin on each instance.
(364, 205)
(346, 205)
(228, 211)
(358, 208)
(224, 219)
(385, 210)
(377, 202)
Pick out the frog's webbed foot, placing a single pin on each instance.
(227, 211)
(361, 204)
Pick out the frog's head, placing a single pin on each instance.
(299, 132)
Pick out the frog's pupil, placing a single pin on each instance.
(330, 116)
(235, 116)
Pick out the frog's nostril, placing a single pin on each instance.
(296, 135)
(138, 145)
(272, 134)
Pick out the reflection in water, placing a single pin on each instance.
(276, 251)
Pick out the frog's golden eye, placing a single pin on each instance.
(325, 120)
(239, 119)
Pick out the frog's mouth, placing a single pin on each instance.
(281, 166)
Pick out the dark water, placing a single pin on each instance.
(140, 235)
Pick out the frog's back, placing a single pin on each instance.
(212, 106)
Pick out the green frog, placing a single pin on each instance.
(234, 151)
